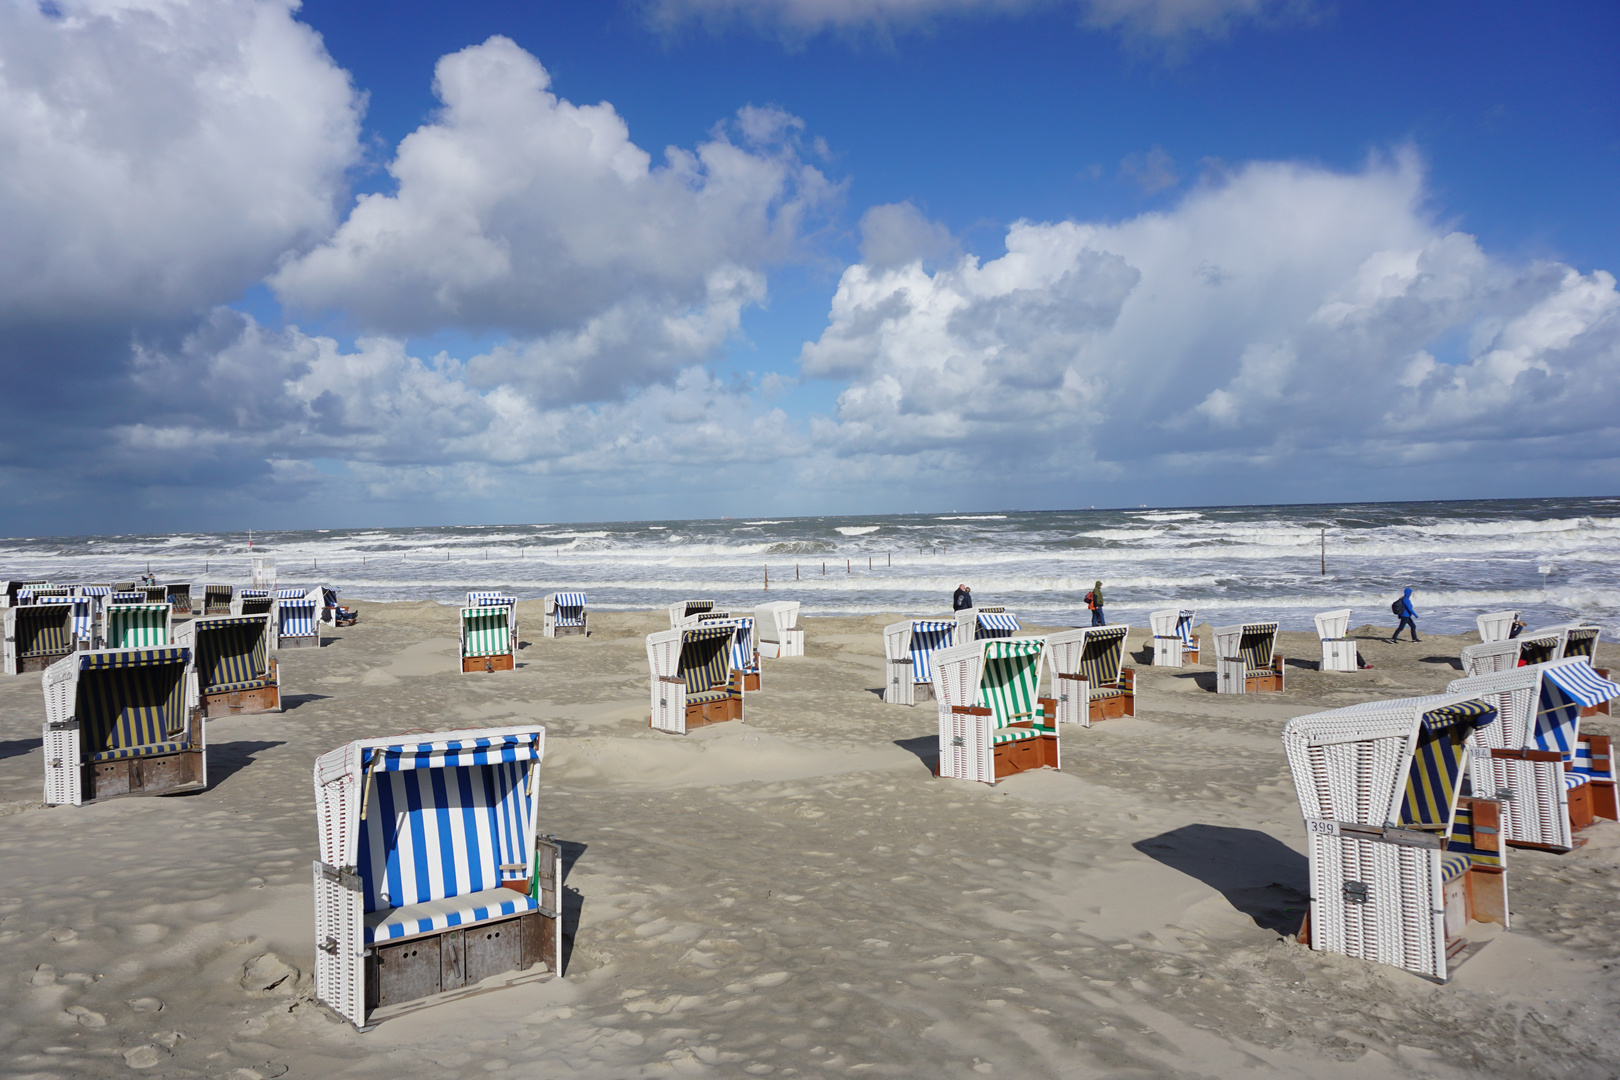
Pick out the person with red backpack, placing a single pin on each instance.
(1094, 601)
(1403, 610)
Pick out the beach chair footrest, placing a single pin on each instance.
(498, 662)
(148, 774)
(455, 957)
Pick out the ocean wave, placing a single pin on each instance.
(973, 517)
(858, 530)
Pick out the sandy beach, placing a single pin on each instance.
(790, 896)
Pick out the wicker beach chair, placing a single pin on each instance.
(1089, 680)
(333, 613)
(216, 600)
(985, 623)
(122, 722)
(1246, 661)
(178, 596)
(84, 617)
(1491, 656)
(744, 656)
(235, 671)
(1573, 639)
(1552, 779)
(1399, 862)
(254, 601)
(431, 877)
(1338, 649)
(1496, 625)
(135, 625)
(682, 610)
(565, 615)
(38, 635)
(1174, 643)
(488, 642)
(992, 721)
(908, 649)
(298, 619)
(694, 682)
(778, 625)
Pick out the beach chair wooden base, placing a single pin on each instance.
(433, 964)
(264, 699)
(1267, 683)
(1580, 807)
(501, 662)
(1605, 804)
(161, 774)
(1113, 706)
(568, 631)
(713, 712)
(26, 664)
(300, 641)
(751, 682)
(923, 691)
(1017, 757)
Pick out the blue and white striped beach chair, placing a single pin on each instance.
(984, 623)
(1555, 778)
(498, 599)
(431, 876)
(744, 655)
(298, 619)
(564, 615)
(122, 722)
(907, 649)
(1400, 862)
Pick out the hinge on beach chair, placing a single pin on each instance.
(344, 876)
(1355, 892)
(62, 725)
(1504, 794)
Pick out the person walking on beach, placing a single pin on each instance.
(963, 598)
(1094, 601)
(1408, 616)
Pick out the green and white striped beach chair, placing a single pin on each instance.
(992, 720)
(136, 626)
(487, 640)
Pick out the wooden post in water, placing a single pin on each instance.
(1324, 552)
(869, 562)
(767, 579)
(847, 570)
(795, 571)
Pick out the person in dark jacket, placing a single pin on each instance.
(1094, 601)
(962, 599)
(1408, 617)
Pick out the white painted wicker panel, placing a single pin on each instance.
(1230, 676)
(1169, 650)
(899, 687)
(965, 752)
(1333, 624)
(1338, 654)
(668, 699)
(792, 642)
(1496, 625)
(1073, 696)
(62, 772)
(9, 653)
(340, 971)
(1490, 657)
(1401, 922)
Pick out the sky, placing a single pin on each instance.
(355, 263)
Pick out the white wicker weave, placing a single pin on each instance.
(1496, 625)
(778, 625)
(1170, 649)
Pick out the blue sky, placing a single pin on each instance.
(362, 263)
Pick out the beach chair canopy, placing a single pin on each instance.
(706, 661)
(742, 642)
(996, 624)
(255, 593)
(928, 636)
(1385, 763)
(42, 629)
(1172, 622)
(682, 610)
(95, 591)
(486, 631)
(136, 626)
(446, 820)
(1102, 655)
(131, 702)
(490, 599)
(298, 617)
(285, 594)
(1490, 656)
(1010, 683)
(776, 616)
(568, 608)
(120, 597)
(1332, 625)
(233, 653)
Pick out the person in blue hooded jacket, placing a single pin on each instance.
(1408, 616)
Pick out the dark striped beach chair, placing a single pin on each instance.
(178, 596)
(122, 722)
(216, 600)
(993, 722)
(235, 672)
(1399, 862)
(84, 620)
(254, 601)
(694, 680)
(1246, 659)
(1554, 779)
(908, 648)
(1089, 679)
(38, 635)
(564, 615)
(431, 878)
(682, 610)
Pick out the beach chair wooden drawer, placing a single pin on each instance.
(461, 956)
(143, 775)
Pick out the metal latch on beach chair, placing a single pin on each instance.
(1504, 794)
(62, 725)
(1355, 892)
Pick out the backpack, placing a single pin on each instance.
(1088, 600)
(1398, 607)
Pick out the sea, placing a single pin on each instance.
(1551, 559)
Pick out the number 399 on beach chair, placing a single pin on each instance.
(1399, 864)
(1088, 680)
(694, 681)
(431, 877)
(122, 722)
(1246, 661)
(992, 723)
(1552, 779)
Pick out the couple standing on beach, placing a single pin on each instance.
(963, 598)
